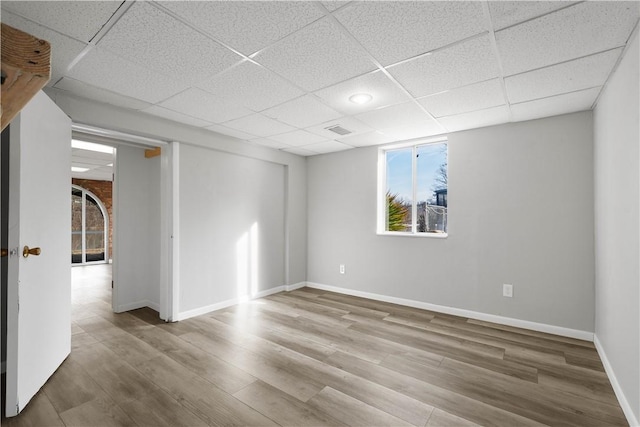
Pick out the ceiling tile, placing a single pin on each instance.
(91, 157)
(476, 119)
(251, 85)
(103, 69)
(100, 174)
(297, 138)
(230, 132)
(508, 13)
(464, 99)
(459, 65)
(202, 105)
(396, 115)
(247, 26)
(154, 40)
(63, 49)
(421, 130)
(302, 112)
(175, 116)
(299, 151)
(326, 147)
(78, 19)
(87, 91)
(257, 124)
(570, 33)
(555, 105)
(394, 31)
(583, 73)
(333, 5)
(384, 91)
(317, 56)
(367, 139)
(348, 123)
(80, 164)
(407, 116)
(270, 143)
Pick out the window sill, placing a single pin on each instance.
(420, 235)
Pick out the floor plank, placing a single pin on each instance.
(405, 381)
(441, 418)
(284, 409)
(99, 411)
(39, 412)
(352, 411)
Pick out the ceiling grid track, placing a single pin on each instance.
(496, 52)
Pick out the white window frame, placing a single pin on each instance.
(382, 189)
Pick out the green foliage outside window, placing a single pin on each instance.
(397, 213)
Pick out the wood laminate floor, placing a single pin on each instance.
(314, 358)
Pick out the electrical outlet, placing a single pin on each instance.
(341, 268)
(507, 290)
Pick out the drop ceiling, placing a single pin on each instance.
(279, 74)
(89, 163)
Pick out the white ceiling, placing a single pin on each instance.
(99, 165)
(278, 74)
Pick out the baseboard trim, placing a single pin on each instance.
(136, 305)
(154, 305)
(622, 399)
(509, 321)
(233, 301)
(295, 286)
(184, 315)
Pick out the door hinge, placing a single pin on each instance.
(112, 284)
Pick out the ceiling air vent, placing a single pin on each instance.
(339, 130)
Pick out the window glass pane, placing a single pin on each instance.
(431, 191)
(76, 226)
(94, 231)
(399, 190)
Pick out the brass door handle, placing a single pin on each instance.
(33, 251)
(4, 252)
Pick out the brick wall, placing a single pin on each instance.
(103, 191)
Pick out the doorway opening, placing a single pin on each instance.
(91, 201)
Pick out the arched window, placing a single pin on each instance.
(89, 228)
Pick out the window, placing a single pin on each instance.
(413, 189)
(89, 228)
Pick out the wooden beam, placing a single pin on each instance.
(152, 152)
(26, 68)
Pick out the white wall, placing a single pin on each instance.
(231, 228)
(617, 226)
(520, 212)
(136, 230)
(110, 117)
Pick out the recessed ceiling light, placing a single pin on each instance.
(90, 146)
(78, 169)
(360, 98)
